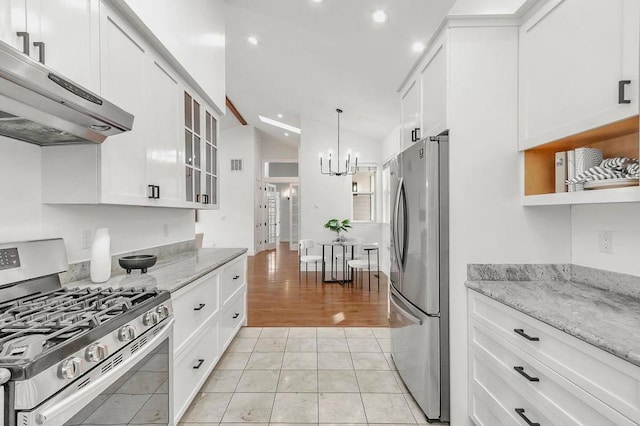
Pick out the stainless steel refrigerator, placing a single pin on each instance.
(419, 274)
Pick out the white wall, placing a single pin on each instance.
(274, 149)
(22, 216)
(622, 219)
(233, 224)
(486, 7)
(323, 197)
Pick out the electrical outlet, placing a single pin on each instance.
(165, 230)
(605, 241)
(86, 239)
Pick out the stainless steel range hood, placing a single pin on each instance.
(39, 106)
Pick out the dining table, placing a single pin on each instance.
(346, 275)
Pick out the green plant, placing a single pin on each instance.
(338, 226)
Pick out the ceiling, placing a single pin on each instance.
(312, 58)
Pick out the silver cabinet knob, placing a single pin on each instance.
(162, 311)
(97, 352)
(150, 318)
(70, 368)
(127, 333)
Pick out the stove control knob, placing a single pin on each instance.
(162, 311)
(97, 352)
(150, 318)
(127, 333)
(70, 368)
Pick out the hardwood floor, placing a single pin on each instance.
(276, 297)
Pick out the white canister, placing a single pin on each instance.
(101, 256)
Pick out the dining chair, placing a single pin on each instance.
(367, 261)
(306, 258)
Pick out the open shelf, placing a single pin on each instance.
(619, 139)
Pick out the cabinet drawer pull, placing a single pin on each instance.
(235, 277)
(198, 364)
(416, 134)
(156, 192)
(236, 315)
(520, 412)
(151, 191)
(525, 335)
(200, 306)
(525, 375)
(25, 41)
(621, 86)
(40, 46)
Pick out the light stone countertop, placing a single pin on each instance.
(605, 319)
(171, 273)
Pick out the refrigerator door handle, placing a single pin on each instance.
(405, 224)
(394, 230)
(405, 312)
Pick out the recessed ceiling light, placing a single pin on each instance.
(417, 47)
(283, 126)
(380, 16)
(253, 40)
(280, 116)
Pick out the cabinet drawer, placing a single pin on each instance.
(231, 278)
(191, 370)
(568, 403)
(603, 375)
(232, 316)
(193, 305)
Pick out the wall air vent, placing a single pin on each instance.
(236, 165)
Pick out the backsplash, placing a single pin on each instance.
(81, 270)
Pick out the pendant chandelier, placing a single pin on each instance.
(339, 172)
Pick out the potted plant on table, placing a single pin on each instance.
(338, 226)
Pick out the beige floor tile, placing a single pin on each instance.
(332, 345)
(330, 332)
(258, 381)
(417, 412)
(274, 333)
(341, 381)
(270, 345)
(335, 361)
(369, 361)
(387, 408)
(377, 382)
(265, 361)
(381, 332)
(250, 332)
(305, 344)
(300, 332)
(300, 361)
(249, 407)
(222, 381)
(295, 408)
(359, 332)
(341, 407)
(363, 345)
(233, 361)
(298, 381)
(242, 345)
(207, 408)
(385, 345)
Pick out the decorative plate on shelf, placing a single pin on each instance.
(611, 183)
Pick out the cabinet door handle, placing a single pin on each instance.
(151, 191)
(25, 41)
(621, 86)
(416, 134)
(520, 412)
(525, 375)
(200, 306)
(525, 335)
(198, 364)
(413, 136)
(235, 277)
(236, 315)
(40, 46)
(156, 192)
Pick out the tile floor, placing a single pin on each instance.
(305, 375)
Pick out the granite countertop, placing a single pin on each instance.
(171, 273)
(603, 318)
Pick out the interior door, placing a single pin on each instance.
(272, 216)
(258, 217)
(294, 216)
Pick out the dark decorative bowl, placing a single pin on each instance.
(140, 261)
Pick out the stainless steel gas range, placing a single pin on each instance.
(73, 356)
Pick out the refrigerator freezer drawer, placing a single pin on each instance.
(415, 346)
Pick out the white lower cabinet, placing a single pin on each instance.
(521, 370)
(205, 324)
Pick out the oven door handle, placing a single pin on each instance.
(61, 411)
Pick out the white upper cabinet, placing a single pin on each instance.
(434, 91)
(575, 56)
(194, 32)
(62, 34)
(410, 115)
